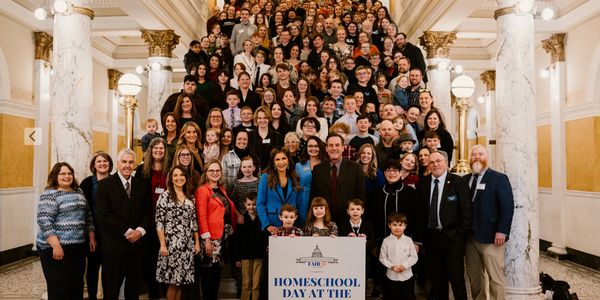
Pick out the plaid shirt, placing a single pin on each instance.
(349, 152)
(282, 231)
(231, 165)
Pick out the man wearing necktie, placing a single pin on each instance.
(445, 198)
(493, 207)
(123, 219)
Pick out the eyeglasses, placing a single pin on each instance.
(185, 154)
(213, 171)
(65, 174)
(391, 171)
(309, 126)
(215, 117)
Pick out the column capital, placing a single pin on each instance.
(437, 43)
(489, 78)
(43, 44)
(160, 42)
(555, 46)
(113, 78)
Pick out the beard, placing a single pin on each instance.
(478, 166)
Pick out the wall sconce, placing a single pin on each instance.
(539, 11)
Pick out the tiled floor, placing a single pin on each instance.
(24, 280)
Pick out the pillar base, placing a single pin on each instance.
(557, 250)
(534, 293)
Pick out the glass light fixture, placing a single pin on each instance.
(129, 84)
(545, 73)
(155, 66)
(525, 6)
(547, 13)
(60, 6)
(463, 86)
(40, 13)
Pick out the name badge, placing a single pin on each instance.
(159, 190)
(266, 141)
(481, 186)
(241, 30)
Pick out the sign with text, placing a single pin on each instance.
(317, 268)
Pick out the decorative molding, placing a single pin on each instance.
(160, 42)
(545, 191)
(555, 46)
(437, 43)
(130, 51)
(489, 78)
(580, 111)
(542, 118)
(16, 191)
(43, 44)
(24, 96)
(14, 108)
(113, 78)
(582, 194)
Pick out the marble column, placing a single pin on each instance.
(437, 44)
(489, 78)
(516, 147)
(72, 108)
(555, 46)
(41, 96)
(160, 47)
(114, 109)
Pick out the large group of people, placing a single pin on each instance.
(307, 118)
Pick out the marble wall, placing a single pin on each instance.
(14, 154)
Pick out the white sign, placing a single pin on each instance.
(317, 268)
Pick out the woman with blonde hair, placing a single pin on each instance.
(190, 136)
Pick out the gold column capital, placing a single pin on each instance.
(555, 46)
(437, 43)
(489, 78)
(113, 78)
(160, 42)
(43, 45)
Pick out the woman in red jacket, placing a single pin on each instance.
(217, 217)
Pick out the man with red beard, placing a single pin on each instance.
(493, 207)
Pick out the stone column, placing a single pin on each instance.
(489, 78)
(437, 44)
(516, 147)
(41, 95)
(72, 109)
(160, 47)
(115, 110)
(555, 46)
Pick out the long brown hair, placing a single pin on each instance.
(52, 182)
(415, 170)
(149, 160)
(204, 178)
(273, 179)
(372, 168)
(187, 187)
(316, 202)
(178, 111)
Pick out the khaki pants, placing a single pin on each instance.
(251, 273)
(481, 259)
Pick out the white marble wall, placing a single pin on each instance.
(516, 147)
(72, 109)
(490, 125)
(159, 87)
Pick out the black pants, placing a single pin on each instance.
(94, 261)
(192, 291)
(394, 290)
(151, 247)
(117, 268)
(211, 279)
(446, 264)
(64, 278)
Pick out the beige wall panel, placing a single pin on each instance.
(100, 141)
(583, 152)
(16, 158)
(17, 45)
(544, 156)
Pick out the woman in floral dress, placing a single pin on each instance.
(177, 230)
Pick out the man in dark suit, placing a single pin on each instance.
(445, 198)
(493, 207)
(337, 180)
(123, 218)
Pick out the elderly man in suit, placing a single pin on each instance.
(449, 210)
(493, 207)
(337, 180)
(123, 219)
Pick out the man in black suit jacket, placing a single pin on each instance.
(449, 210)
(349, 179)
(493, 207)
(123, 218)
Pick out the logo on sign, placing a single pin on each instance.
(317, 260)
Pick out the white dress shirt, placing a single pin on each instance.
(398, 251)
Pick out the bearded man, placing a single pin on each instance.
(493, 207)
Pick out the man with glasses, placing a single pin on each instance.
(449, 210)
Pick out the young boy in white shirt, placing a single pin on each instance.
(350, 115)
(398, 254)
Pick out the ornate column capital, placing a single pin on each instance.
(113, 78)
(437, 43)
(160, 42)
(489, 78)
(555, 46)
(43, 44)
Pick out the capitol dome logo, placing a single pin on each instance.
(317, 260)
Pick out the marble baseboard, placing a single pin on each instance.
(16, 254)
(576, 256)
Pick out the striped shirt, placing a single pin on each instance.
(64, 214)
